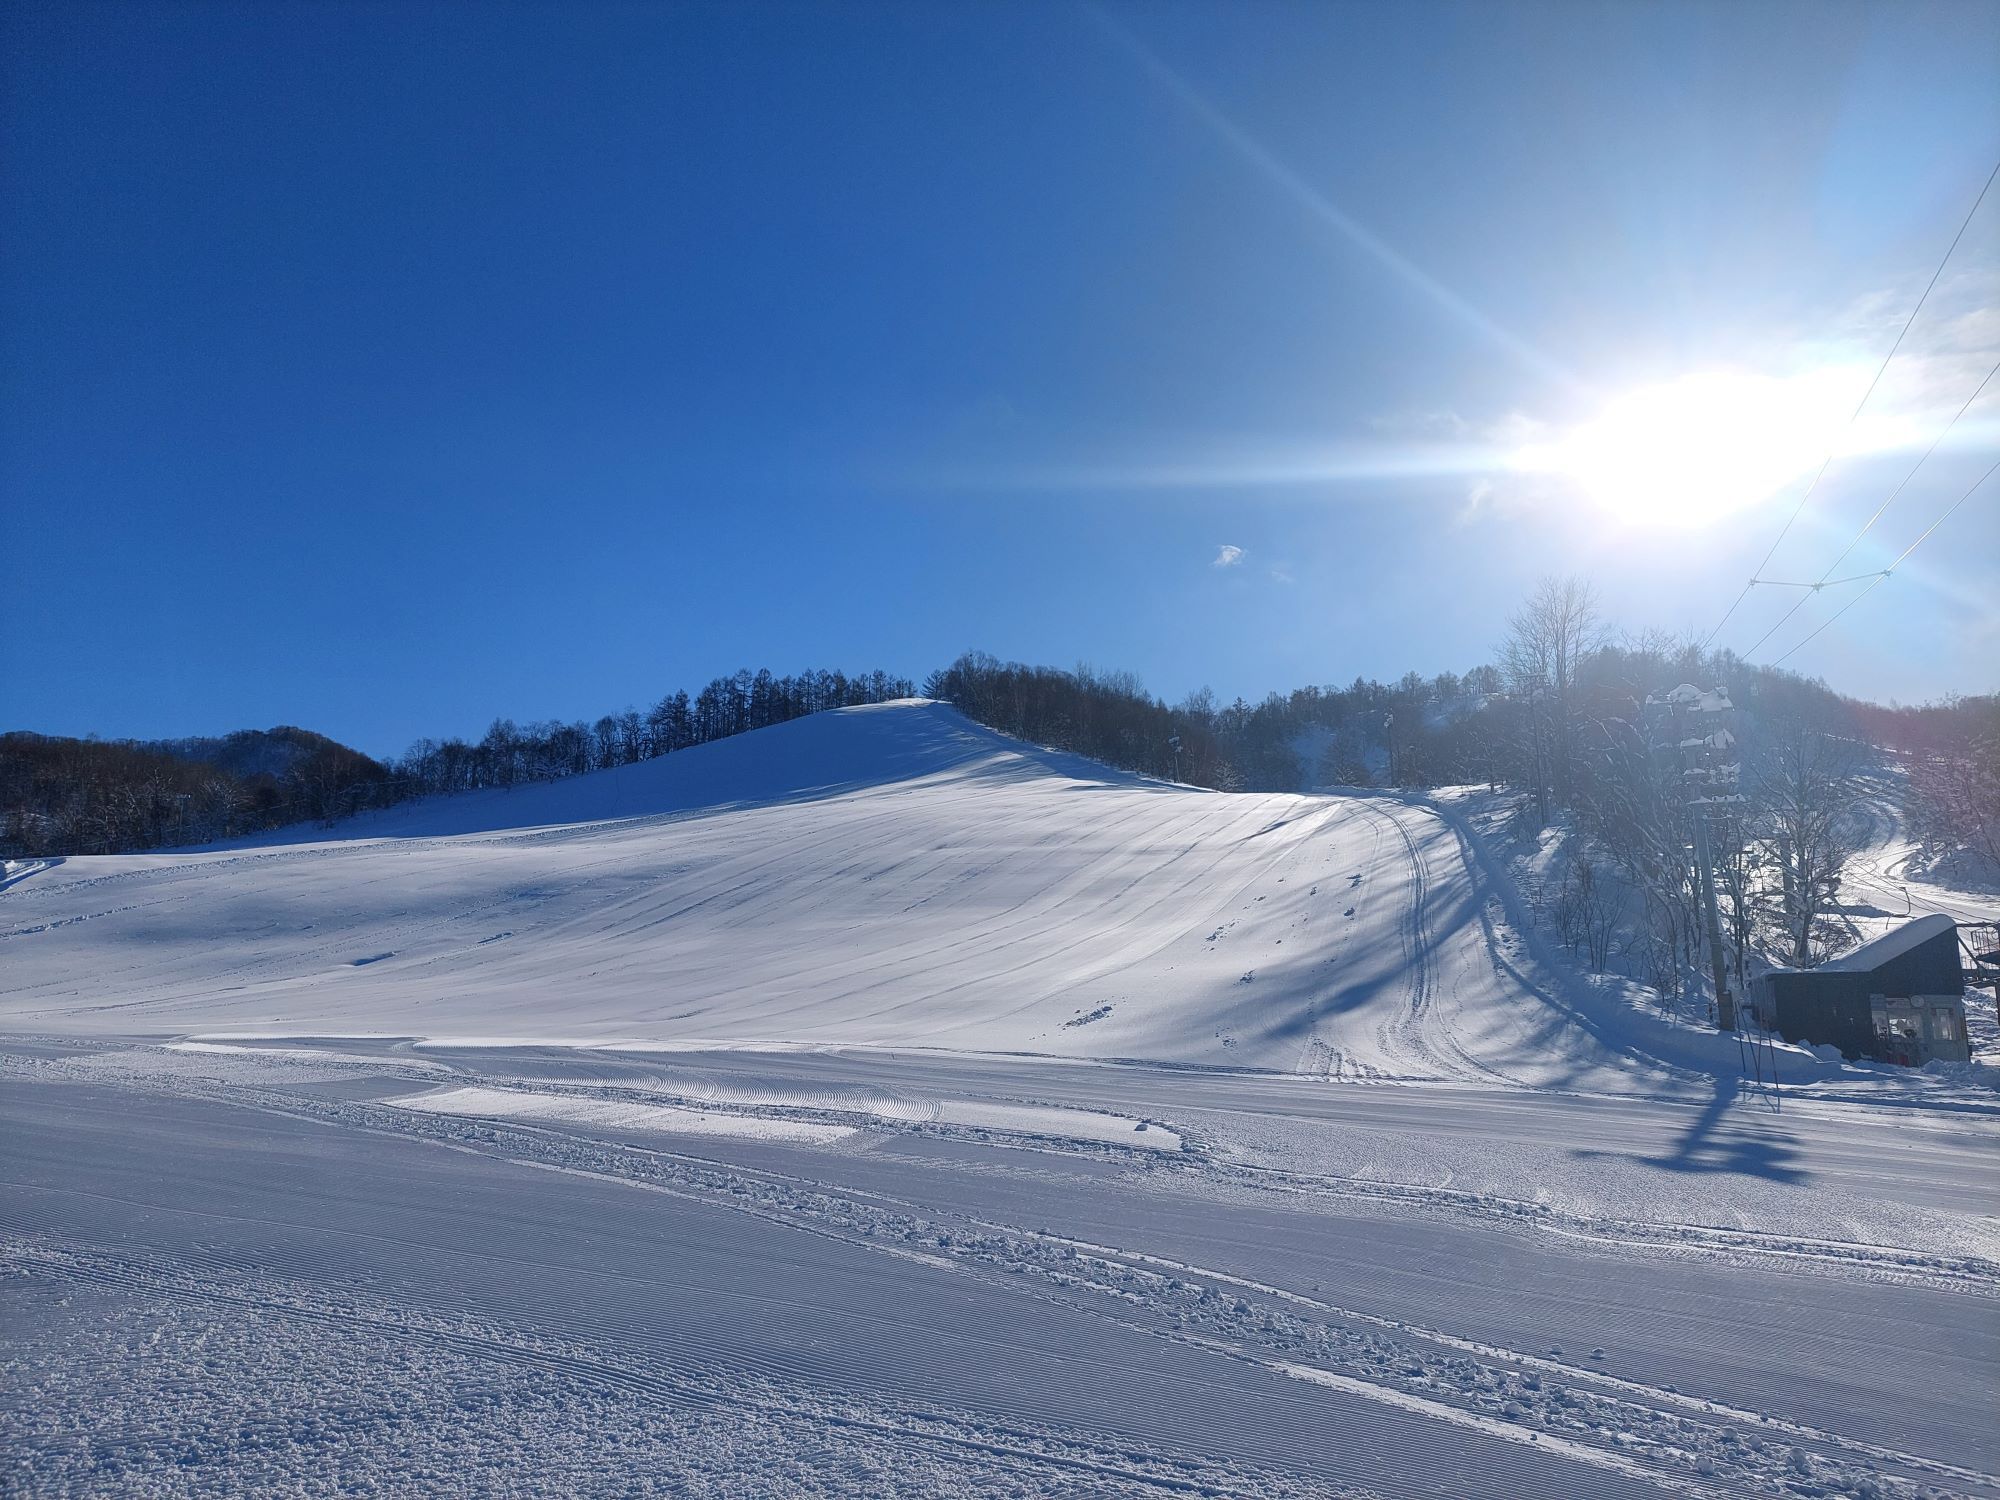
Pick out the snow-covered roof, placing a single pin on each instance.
(1873, 954)
(1697, 700)
(1722, 739)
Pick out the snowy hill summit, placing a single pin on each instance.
(840, 752)
(892, 875)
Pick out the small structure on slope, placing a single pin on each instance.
(1898, 999)
(1981, 942)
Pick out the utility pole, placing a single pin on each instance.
(1725, 1002)
(1703, 748)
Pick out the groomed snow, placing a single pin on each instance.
(291, 1053)
(768, 1115)
(617, 1114)
(889, 876)
(765, 1121)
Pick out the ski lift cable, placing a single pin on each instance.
(1824, 583)
(1867, 525)
(1898, 562)
(1881, 370)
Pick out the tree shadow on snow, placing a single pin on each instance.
(1706, 1146)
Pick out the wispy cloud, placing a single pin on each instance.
(1227, 556)
(1479, 499)
(1429, 425)
(1949, 349)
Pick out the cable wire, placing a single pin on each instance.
(1824, 583)
(1896, 564)
(1880, 371)
(1800, 602)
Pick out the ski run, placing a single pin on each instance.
(877, 1105)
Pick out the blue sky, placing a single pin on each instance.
(387, 368)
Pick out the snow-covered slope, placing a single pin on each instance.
(893, 875)
(798, 1265)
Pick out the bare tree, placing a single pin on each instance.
(1628, 801)
(1586, 909)
(1807, 786)
(1954, 795)
(1547, 640)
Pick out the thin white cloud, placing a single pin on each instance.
(1948, 350)
(1227, 556)
(1440, 423)
(1479, 498)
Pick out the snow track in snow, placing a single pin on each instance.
(1159, 1332)
(791, 1143)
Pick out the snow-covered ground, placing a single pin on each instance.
(877, 1105)
(892, 876)
(1881, 891)
(1891, 880)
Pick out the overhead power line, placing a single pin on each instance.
(1883, 577)
(1785, 530)
(1824, 583)
(1800, 602)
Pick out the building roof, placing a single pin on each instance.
(1696, 700)
(1872, 955)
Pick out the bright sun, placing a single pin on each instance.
(1683, 454)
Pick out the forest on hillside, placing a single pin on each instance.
(1572, 719)
(85, 796)
(82, 796)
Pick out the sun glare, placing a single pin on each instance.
(1686, 453)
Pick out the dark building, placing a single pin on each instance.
(1900, 998)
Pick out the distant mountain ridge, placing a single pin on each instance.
(277, 751)
(60, 795)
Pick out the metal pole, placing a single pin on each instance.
(1682, 724)
(1725, 1003)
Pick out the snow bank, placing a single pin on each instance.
(618, 1114)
